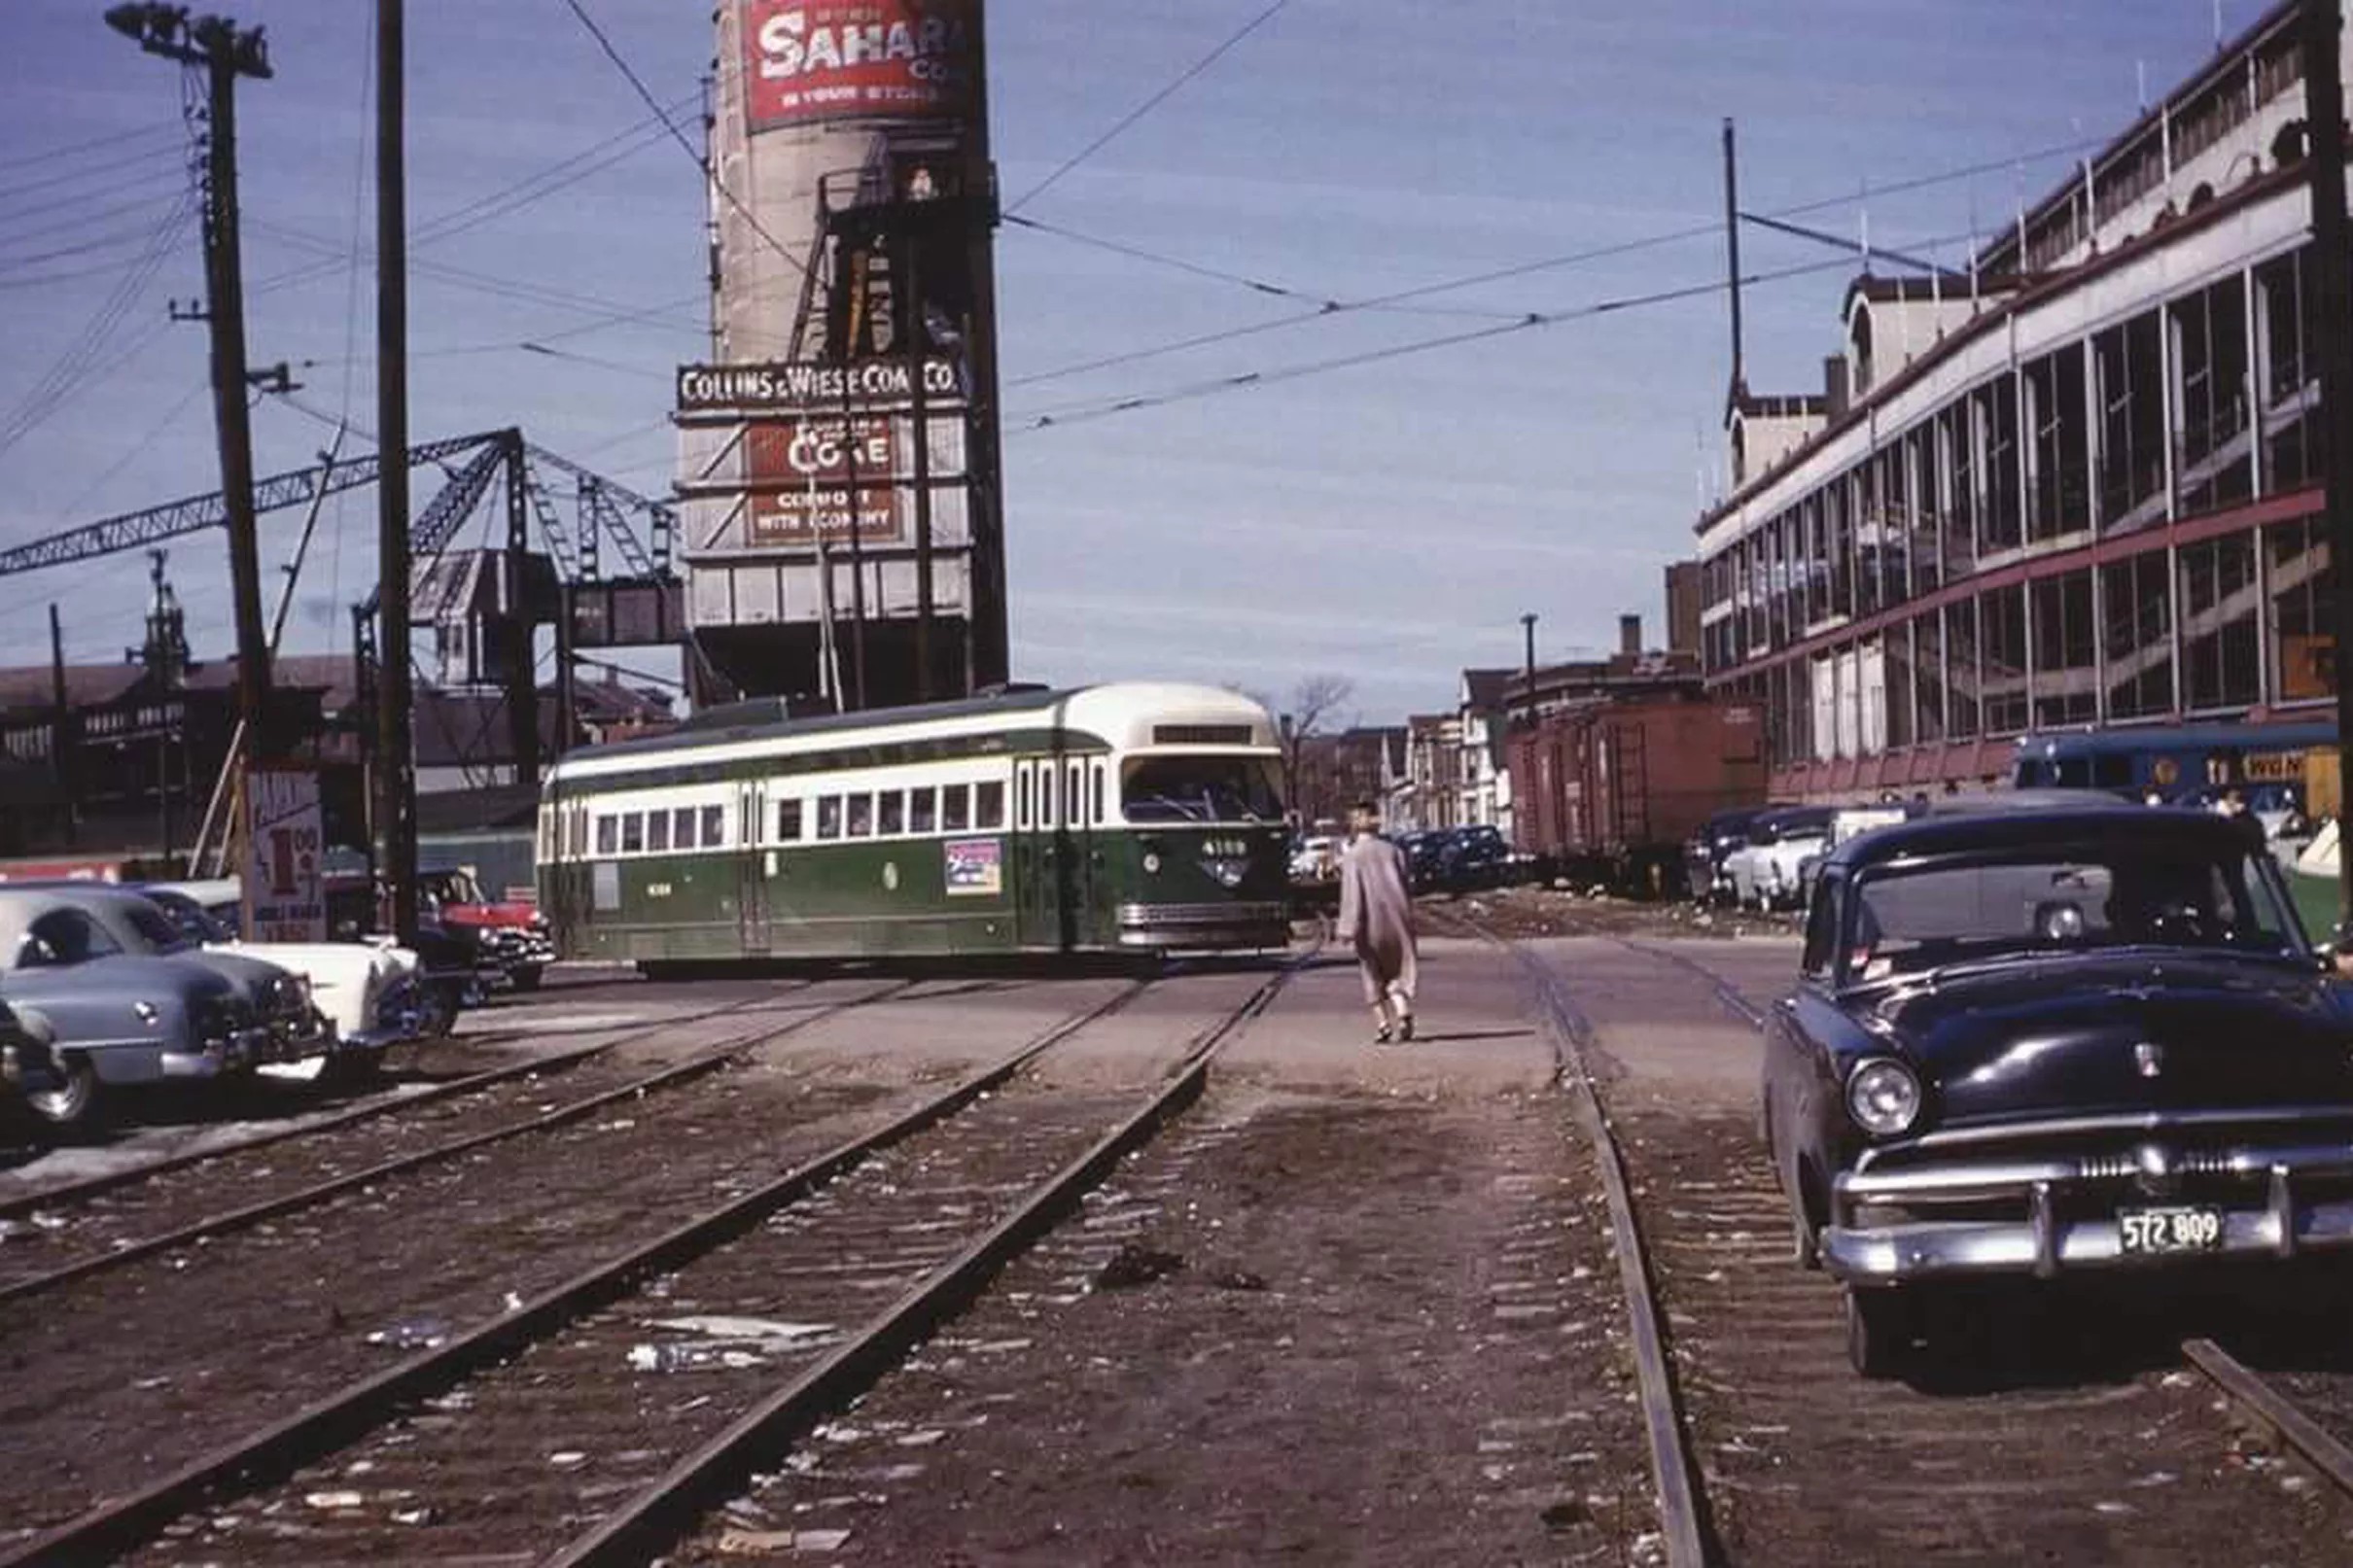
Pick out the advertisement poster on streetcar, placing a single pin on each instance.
(285, 838)
(975, 868)
(808, 61)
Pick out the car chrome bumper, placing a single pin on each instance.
(2055, 1217)
(1204, 925)
(244, 1048)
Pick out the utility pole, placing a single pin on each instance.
(1527, 627)
(396, 757)
(61, 740)
(1731, 248)
(2325, 162)
(223, 52)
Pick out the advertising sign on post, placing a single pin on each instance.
(285, 891)
(811, 60)
(799, 473)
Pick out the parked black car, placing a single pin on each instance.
(1471, 858)
(2038, 1043)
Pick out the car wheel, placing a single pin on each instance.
(72, 1104)
(1881, 1326)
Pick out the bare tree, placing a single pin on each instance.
(1314, 706)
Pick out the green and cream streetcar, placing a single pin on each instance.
(1138, 818)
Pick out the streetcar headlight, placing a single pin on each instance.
(1883, 1096)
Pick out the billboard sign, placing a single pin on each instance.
(799, 473)
(807, 61)
(801, 386)
(285, 838)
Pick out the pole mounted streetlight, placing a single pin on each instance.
(224, 51)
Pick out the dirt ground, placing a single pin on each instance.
(1533, 912)
(1302, 1327)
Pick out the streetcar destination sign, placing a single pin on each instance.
(791, 386)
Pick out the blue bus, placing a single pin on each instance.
(2184, 763)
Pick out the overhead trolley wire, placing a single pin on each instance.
(48, 155)
(1142, 109)
(701, 163)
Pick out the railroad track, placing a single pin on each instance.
(126, 1217)
(1765, 1449)
(553, 1420)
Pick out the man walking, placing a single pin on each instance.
(1377, 919)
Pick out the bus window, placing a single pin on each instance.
(657, 832)
(861, 816)
(608, 834)
(828, 817)
(922, 810)
(788, 821)
(633, 833)
(715, 827)
(988, 804)
(955, 807)
(891, 813)
(682, 828)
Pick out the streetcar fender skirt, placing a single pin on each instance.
(656, 1516)
(279, 1450)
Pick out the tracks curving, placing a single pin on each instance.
(546, 1421)
(2045, 1436)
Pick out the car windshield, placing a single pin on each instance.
(189, 917)
(155, 930)
(1200, 789)
(1908, 920)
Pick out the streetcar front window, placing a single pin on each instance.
(1200, 789)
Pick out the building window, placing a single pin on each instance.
(1922, 513)
(2291, 374)
(1957, 488)
(1898, 685)
(1862, 499)
(2002, 680)
(2303, 648)
(2066, 672)
(1996, 408)
(2058, 459)
(1929, 678)
(2130, 377)
(2212, 467)
(1840, 526)
(1963, 676)
(2137, 637)
(2217, 599)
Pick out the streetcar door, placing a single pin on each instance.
(1076, 856)
(1036, 866)
(752, 871)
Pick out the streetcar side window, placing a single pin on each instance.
(1045, 796)
(633, 833)
(988, 804)
(891, 813)
(1075, 796)
(682, 828)
(1095, 770)
(658, 832)
(862, 816)
(828, 817)
(955, 807)
(608, 834)
(1021, 794)
(715, 827)
(788, 821)
(922, 810)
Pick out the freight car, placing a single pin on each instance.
(1607, 792)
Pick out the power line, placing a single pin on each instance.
(1247, 380)
(157, 179)
(1142, 109)
(53, 155)
(99, 215)
(700, 162)
(87, 176)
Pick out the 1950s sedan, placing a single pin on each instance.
(2046, 1042)
(131, 1003)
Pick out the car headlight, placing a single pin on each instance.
(1883, 1096)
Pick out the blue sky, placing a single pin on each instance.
(1387, 522)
